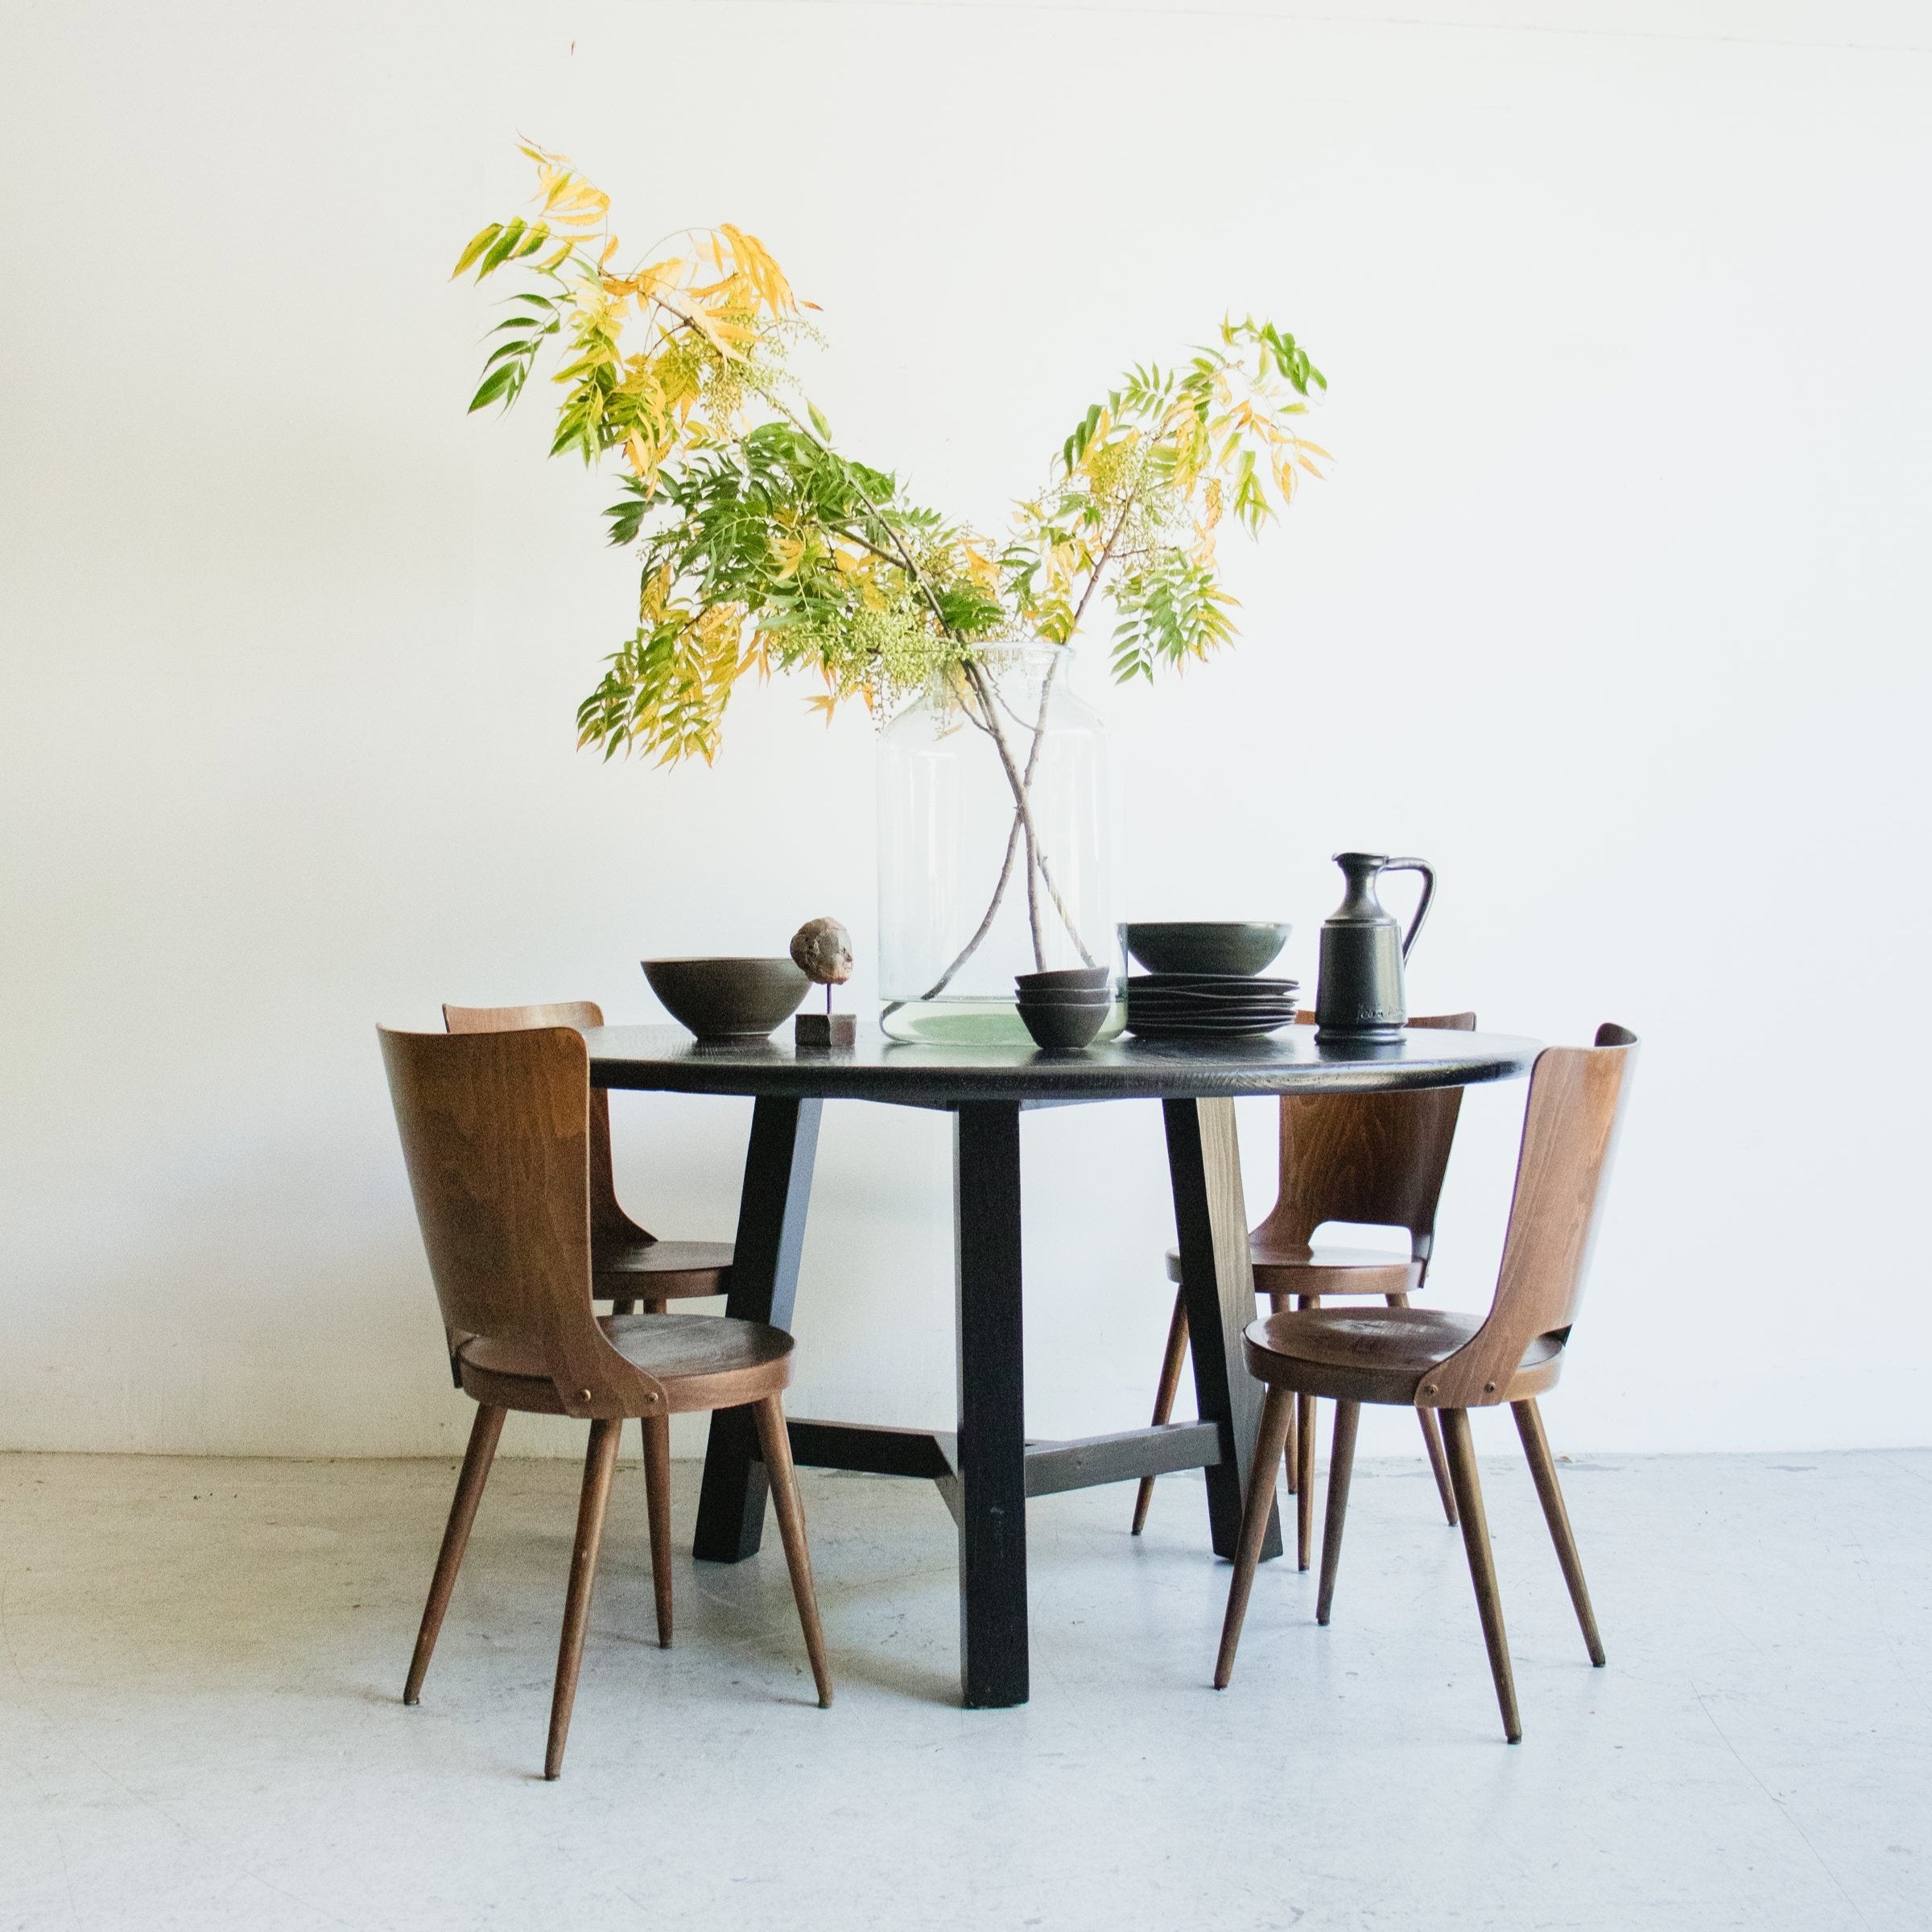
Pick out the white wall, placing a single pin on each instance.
(1615, 607)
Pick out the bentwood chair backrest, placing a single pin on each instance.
(1378, 1158)
(607, 1219)
(495, 1131)
(1570, 1128)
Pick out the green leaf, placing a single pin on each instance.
(1075, 445)
(478, 242)
(494, 385)
(499, 250)
(627, 517)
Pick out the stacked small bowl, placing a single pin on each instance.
(1204, 981)
(1065, 1010)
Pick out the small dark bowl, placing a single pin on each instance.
(1062, 1026)
(1090, 978)
(1242, 946)
(727, 999)
(1067, 996)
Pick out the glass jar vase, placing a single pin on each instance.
(993, 836)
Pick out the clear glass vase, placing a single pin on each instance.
(972, 889)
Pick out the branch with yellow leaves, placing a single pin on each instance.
(763, 547)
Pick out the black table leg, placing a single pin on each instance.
(992, 1411)
(764, 1281)
(1204, 1160)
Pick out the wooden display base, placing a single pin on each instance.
(826, 1030)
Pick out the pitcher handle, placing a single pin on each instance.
(1421, 911)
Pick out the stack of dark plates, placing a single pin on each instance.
(1196, 1005)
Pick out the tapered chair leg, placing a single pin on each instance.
(1482, 1563)
(477, 1460)
(656, 1503)
(1304, 1495)
(600, 1464)
(1439, 1462)
(1542, 1466)
(1341, 1467)
(1291, 1461)
(1278, 1414)
(1171, 1364)
(1432, 1441)
(774, 1444)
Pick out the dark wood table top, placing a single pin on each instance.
(666, 1059)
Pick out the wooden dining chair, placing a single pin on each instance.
(1432, 1359)
(496, 1134)
(629, 1267)
(1376, 1159)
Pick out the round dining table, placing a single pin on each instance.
(985, 1468)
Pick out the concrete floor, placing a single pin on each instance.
(200, 1724)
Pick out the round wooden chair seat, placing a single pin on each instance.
(626, 1270)
(1322, 1270)
(704, 1361)
(1378, 1354)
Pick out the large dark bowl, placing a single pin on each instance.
(727, 999)
(1243, 946)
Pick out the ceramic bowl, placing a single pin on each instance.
(1087, 978)
(1062, 1026)
(1239, 946)
(727, 999)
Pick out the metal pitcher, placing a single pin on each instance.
(1359, 995)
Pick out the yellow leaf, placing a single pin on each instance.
(754, 260)
(478, 242)
(647, 281)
